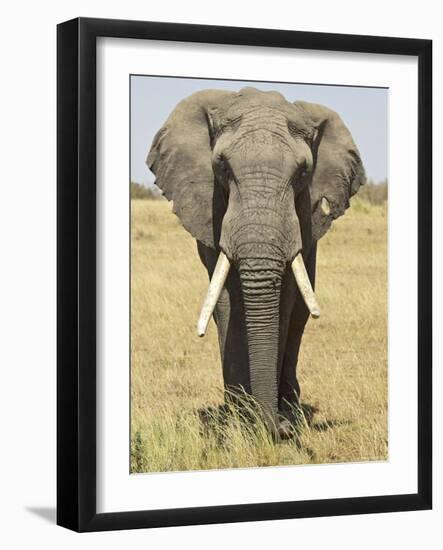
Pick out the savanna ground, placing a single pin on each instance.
(342, 366)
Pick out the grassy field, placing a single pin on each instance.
(342, 366)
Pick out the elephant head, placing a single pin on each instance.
(258, 179)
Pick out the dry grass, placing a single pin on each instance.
(342, 367)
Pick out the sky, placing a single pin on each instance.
(364, 111)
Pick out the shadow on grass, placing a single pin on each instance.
(309, 412)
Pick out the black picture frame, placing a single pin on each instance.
(76, 273)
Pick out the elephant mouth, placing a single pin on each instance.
(219, 278)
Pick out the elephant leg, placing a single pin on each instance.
(289, 388)
(231, 328)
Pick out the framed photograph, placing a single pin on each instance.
(244, 274)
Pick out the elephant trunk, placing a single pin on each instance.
(261, 286)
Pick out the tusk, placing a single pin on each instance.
(304, 285)
(215, 287)
(325, 206)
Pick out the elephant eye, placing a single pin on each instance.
(222, 169)
(301, 176)
(303, 171)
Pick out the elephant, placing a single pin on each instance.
(257, 181)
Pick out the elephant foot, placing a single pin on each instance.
(291, 421)
(286, 430)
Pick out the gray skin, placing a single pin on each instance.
(246, 172)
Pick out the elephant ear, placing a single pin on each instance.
(338, 169)
(180, 157)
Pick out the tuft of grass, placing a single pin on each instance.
(179, 419)
(139, 191)
(373, 193)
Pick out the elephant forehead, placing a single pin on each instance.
(251, 98)
(257, 113)
(265, 97)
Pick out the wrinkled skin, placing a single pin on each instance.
(248, 172)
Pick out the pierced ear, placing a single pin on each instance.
(180, 158)
(338, 169)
